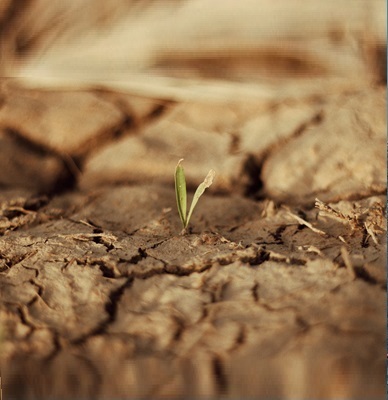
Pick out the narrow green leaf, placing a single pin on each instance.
(199, 192)
(180, 191)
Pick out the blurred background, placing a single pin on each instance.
(155, 44)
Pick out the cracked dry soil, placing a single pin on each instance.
(269, 295)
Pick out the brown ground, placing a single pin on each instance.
(278, 290)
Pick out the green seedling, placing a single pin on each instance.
(181, 193)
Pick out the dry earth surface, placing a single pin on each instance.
(278, 289)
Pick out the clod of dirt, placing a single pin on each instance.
(138, 108)
(28, 167)
(66, 122)
(337, 159)
(274, 126)
(152, 155)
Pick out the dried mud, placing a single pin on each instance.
(277, 290)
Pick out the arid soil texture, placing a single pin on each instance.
(278, 288)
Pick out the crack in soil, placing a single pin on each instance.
(99, 238)
(111, 309)
(179, 330)
(142, 254)
(10, 262)
(277, 235)
(259, 258)
(66, 179)
(261, 255)
(255, 187)
(240, 339)
(255, 292)
(106, 270)
(57, 346)
(363, 274)
(22, 311)
(219, 374)
(37, 285)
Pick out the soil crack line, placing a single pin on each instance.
(255, 292)
(111, 308)
(219, 374)
(240, 339)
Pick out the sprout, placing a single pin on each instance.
(181, 193)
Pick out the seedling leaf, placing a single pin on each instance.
(199, 192)
(180, 191)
